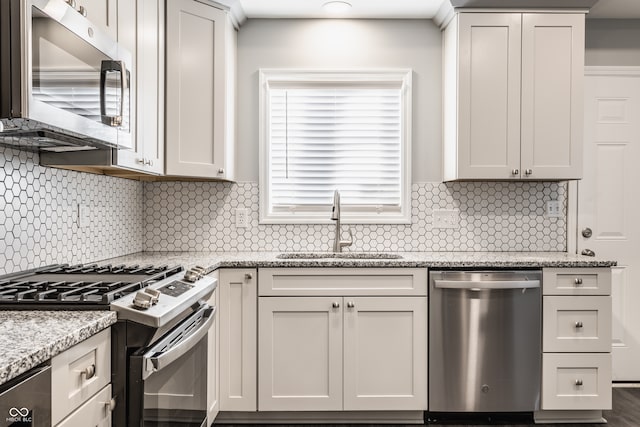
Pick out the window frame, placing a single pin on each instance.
(269, 78)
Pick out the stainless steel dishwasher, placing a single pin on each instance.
(484, 341)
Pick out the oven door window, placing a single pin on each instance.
(174, 375)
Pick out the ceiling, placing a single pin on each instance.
(395, 9)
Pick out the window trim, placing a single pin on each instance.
(278, 77)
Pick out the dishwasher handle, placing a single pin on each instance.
(487, 284)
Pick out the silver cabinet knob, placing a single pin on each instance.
(88, 372)
(578, 383)
(587, 232)
(148, 162)
(528, 172)
(335, 304)
(220, 171)
(351, 304)
(72, 3)
(82, 11)
(141, 161)
(577, 281)
(248, 276)
(579, 325)
(588, 252)
(110, 405)
(515, 172)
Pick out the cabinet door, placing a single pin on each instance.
(552, 100)
(142, 32)
(489, 95)
(238, 337)
(213, 356)
(96, 412)
(300, 347)
(102, 13)
(385, 353)
(196, 90)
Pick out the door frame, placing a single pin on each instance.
(572, 197)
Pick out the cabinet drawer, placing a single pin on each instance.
(342, 281)
(95, 412)
(576, 324)
(78, 373)
(576, 381)
(576, 281)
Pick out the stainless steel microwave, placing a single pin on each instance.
(64, 83)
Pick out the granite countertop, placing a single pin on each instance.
(29, 338)
(214, 260)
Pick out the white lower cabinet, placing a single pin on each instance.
(213, 359)
(238, 336)
(342, 353)
(96, 412)
(576, 345)
(80, 378)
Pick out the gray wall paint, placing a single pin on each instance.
(344, 44)
(612, 42)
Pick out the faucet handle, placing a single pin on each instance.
(344, 243)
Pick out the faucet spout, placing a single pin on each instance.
(338, 243)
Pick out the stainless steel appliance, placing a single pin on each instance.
(484, 341)
(25, 400)
(159, 344)
(64, 83)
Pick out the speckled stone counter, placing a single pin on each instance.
(214, 260)
(28, 338)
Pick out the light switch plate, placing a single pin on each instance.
(446, 218)
(554, 209)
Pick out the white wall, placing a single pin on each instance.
(344, 44)
(612, 42)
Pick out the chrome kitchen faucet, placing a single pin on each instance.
(338, 244)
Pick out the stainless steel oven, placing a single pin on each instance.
(168, 379)
(64, 83)
(25, 401)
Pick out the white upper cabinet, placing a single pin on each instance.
(513, 96)
(103, 13)
(141, 30)
(201, 43)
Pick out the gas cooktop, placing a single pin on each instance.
(77, 286)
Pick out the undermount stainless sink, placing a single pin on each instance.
(341, 255)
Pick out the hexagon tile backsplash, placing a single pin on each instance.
(494, 216)
(39, 215)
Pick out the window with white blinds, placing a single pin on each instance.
(328, 131)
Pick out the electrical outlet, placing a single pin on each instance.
(553, 209)
(446, 218)
(242, 218)
(84, 216)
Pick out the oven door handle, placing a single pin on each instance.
(154, 361)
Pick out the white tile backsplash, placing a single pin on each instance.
(493, 216)
(39, 218)
(39, 215)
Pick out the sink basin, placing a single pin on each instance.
(338, 255)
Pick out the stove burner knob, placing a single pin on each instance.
(143, 300)
(193, 274)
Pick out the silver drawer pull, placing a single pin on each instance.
(578, 281)
(335, 305)
(578, 325)
(89, 372)
(578, 383)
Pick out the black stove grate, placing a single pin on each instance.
(77, 286)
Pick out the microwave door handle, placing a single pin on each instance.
(487, 284)
(154, 363)
(106, 67)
